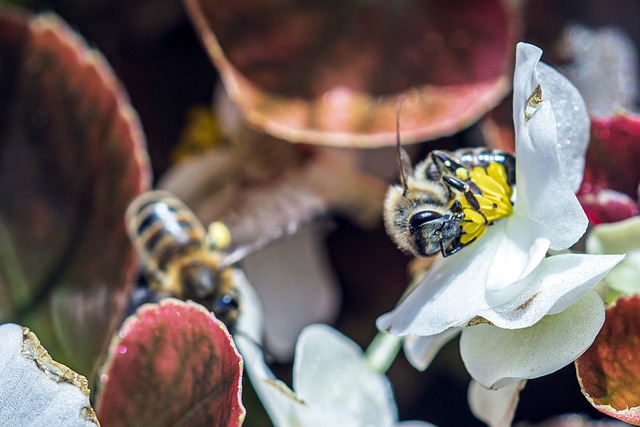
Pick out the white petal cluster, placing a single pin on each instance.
(521, 314)
(333, 385)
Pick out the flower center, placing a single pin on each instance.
(494, 199)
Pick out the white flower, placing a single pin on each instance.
(504, 284)
(333, 385)
(35, 390)
(619, 237)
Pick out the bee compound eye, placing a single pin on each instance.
(419, 219)
(225, 304)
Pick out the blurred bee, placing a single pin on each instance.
(179, 257)
(427, 212)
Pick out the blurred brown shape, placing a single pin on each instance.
(333, 72)
(72, 156)
(259, 184)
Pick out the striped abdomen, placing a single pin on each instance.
(163, 230)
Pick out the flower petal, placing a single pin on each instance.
(278, 400)
(571, 119)
(497, 357)
(522, 247)
(444, 297)
(544, 194)
(420, 351)
(310, 287)
(457, 288)
(620, 237)
(495, 407)
(545, 189)
(573, 124)
(558, 282)
(330, 369)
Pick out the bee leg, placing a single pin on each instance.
(444, 163)
(456, 247)
(465, 189)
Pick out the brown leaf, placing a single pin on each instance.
(331, 72)
(609, 371)
(72, 156)
(173, 363)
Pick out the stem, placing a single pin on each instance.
(382, 351)
(385, 347)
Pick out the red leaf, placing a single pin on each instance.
(71, 158)
(332, 72)
(609, 371)
(614, 154)
(173, 363)
(603, 205)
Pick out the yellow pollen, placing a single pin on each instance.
(495, 201)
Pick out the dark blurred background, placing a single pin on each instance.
(155, 51)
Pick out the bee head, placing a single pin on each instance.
(226, 308)
(199, 280)
(433, 231)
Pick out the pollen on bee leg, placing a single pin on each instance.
(463, 174)
(218, 236)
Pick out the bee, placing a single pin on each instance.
(459, 162)
(179, 257)
(428, 212)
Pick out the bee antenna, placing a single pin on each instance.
(403, 157)
(241, 252)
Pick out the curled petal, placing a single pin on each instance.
(497, 357)
(521, 247)
(282, 404)
(569, 121)
(544, 193)
(310, 287)
(276, 397)
(558, 282)
(572, 122)
(495, 407)
(547, 179)
(420, 351)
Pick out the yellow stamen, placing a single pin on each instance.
(495, 201)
